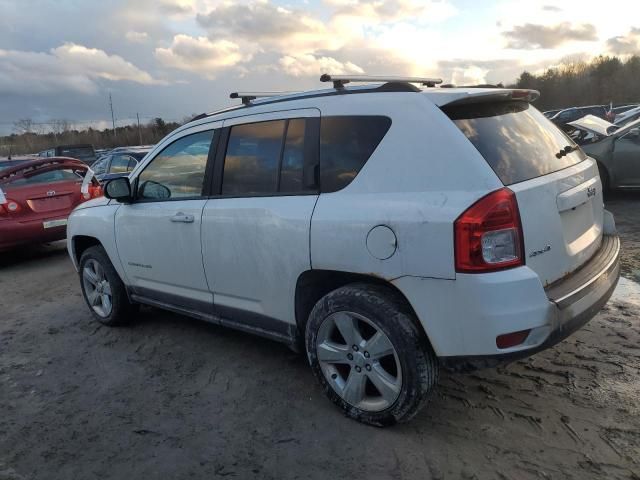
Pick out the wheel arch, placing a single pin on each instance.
(312, 285)
(80, 243)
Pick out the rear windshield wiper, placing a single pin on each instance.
(567, 150)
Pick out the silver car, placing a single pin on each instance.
(617, 151)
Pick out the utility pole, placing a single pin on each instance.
(113, 119)
(139, 132)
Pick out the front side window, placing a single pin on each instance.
(178, 170)
(346, 143)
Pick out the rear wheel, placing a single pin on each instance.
(103, 289)
(368, 353)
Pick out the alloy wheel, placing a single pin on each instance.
(97, 288)
(359, 361)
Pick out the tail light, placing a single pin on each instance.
(94, 191)
(512, 339)
(488, 236)
(10, 207)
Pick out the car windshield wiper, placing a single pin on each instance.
(567, 150)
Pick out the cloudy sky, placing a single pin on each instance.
(60, 59)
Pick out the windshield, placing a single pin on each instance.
(516, 140)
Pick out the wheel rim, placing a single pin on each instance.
(97, 288)
(359, 361)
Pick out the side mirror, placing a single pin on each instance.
(118, 189)
(153, 190)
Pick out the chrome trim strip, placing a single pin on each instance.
(583, 289)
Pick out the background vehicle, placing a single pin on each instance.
(563, 117)
(84, 153)
(388, 229)
(37, 197)
(118, 162)
(617, 151)
(628, 116)
(551, 113)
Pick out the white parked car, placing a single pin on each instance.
(386, 230)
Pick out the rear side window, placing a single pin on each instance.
(515, 139)
(346, 143)
(265, 158)
(253, 154)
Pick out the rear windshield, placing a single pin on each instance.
(515, 139)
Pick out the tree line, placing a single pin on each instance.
(30, 137)
(602, 81)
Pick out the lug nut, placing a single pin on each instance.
(358, 369)
(349, 356)
(368, 367)
(366, 354)
(355, 348)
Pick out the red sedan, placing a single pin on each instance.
(37, 196)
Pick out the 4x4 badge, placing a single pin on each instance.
(591, 192)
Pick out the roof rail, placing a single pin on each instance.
(248, 96)
(340, 80)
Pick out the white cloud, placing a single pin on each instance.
(69, 67)
(200, 55)
(309, 65)
(137, 37)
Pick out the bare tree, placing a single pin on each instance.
(24, 125)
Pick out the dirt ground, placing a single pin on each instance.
(171, 397)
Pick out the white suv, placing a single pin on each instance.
(387, 230)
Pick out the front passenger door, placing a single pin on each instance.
(158, 235)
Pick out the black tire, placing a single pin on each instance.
(121, 308)
(391, 315)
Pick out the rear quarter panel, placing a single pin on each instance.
(420, 178)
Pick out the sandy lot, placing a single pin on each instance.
(171, 397)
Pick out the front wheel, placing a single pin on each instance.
(103, 289)
(369, 355)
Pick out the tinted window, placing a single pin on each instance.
(293, 157)
(346, 143)
(47, 177)
(178, 170)
(515, 139)
(252, 158)
(100, 166)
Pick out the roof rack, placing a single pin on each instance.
(340, 80)
(246, 97)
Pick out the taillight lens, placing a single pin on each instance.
(488, 236)
(10, 207)
(94, 191)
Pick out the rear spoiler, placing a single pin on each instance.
(496, 95)
(33, 167)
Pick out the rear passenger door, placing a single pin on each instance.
(255, 226)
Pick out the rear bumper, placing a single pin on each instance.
(575, 300)
(14, 233)
(463, 317)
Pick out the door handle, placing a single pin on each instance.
(182, 218)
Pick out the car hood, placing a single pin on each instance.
(95, 202)
(593, 124)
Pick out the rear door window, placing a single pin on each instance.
(346, 143)
(515, 139)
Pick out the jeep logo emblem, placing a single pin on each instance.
(591, 192)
